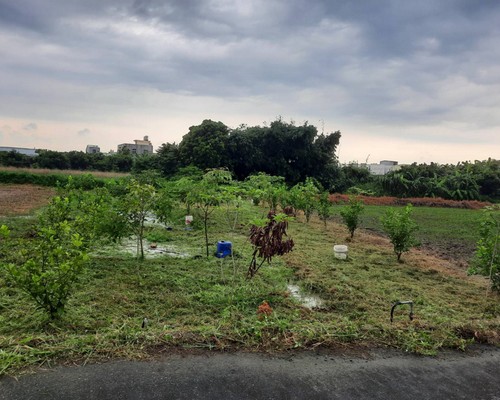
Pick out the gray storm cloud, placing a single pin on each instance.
(385, 63)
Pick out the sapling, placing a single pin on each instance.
(139, 201)
(303, 197)
(265, 188)
(324, 207)
(207, 195)
(48, 265)
(400, 227)
(350, 214)
(268, 239)
(487, 258)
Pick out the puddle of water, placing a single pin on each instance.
(309, 301)
(129, 246)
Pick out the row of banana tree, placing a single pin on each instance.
(464, 181)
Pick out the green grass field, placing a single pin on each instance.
(449, 232)
(453, 224)
(199, 302)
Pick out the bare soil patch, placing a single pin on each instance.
(22, 199)
(457, 254)
(423, 258)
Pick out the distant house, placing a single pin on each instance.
(20, 150)
(383, 167)
(138, 147)
(92, 149)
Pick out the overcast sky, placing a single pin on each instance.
(412, 81)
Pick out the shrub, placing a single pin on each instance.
(324, 207)
(487, 257)
(85, 182)
(159, 235)
(400, 228)
(350, 214)
(268, 240)
(52, 263)
(303, 197)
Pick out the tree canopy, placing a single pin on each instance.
(204, 146)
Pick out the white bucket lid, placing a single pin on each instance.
(340, 248)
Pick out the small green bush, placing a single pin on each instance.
(52, 263)
(350, 214)
(400, 228)
(85, 182)
(324, 207)
(487, 257)
(159, 235)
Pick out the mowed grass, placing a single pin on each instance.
(452, 224)
(451, 233)
(199, 302)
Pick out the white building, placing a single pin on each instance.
(92, 149)
(138, 147)
(383, 167)
(20, 150)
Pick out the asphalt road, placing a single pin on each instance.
(379, 375)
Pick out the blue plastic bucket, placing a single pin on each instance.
(224, 249)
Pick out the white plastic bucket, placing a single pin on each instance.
(340, 251)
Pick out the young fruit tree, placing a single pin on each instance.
(267, 238)
(137, 204)
(350, 214)
(207, 194)
(400, 228)
(487, 257)
(265, 188)
(324, 207)
(304, 196)
(47, 266)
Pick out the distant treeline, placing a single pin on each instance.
(294, 152)
(282, 149)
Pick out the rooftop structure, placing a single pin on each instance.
(383, 167)
(20, 150)
(92, 149)
(138, 147)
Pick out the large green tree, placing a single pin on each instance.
(284, 149)
(168, 159)
(52, 159)
(245, 151)
(78, 160)
(204, 146)
(15, 159)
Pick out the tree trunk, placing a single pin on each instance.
(205, 219)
